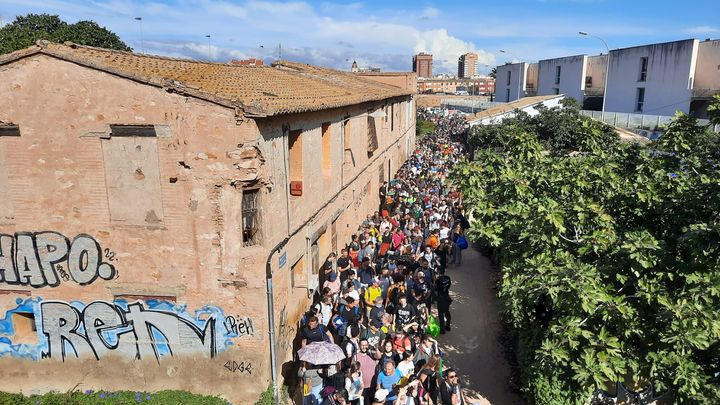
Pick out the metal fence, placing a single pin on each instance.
(638, 121)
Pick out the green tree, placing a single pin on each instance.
(493, 72)
(610, 254)
(27, 30)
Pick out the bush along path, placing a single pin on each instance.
(90, 397)
(610, 255)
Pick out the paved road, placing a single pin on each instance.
(473, 345)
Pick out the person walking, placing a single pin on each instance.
(450, 391)
(442, 287)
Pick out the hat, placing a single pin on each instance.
(332, 276)
(381, 394)
(376, 279)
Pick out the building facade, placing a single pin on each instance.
(423, 64)
(511, 81)
(655, 79)
(652, 79)
(563, 76)
(475, 86)
(467, 65)
(163, 221)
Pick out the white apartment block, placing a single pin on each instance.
(655, 79)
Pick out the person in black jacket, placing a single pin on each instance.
(442, 288)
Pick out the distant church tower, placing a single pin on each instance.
(354, 67)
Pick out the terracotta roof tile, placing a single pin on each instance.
(283, 88)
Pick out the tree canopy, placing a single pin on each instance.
(610, 253)
(27, 30)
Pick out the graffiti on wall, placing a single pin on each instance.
(235, 326)
(43, 259)
(286, 331)
(138, 330)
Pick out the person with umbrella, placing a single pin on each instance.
(314, 332)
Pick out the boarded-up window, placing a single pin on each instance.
(25, 328)
(297, 273)
(132, 176)
(348, 159)
(296, 155)
(372, 137)
(326, 149)
(250, 217)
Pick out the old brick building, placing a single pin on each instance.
(162, 221)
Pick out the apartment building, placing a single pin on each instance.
(655, 79)
(163, 221)
(475, 86)
(423, 64)
(515, 80)
(467, 65)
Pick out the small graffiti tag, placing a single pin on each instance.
(235, 367)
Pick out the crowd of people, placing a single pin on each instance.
(381, 292)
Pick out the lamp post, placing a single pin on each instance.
(142, 41)
(607, 72)
(209, 52)
(520, 72)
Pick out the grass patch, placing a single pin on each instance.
(424, 127)
(111, 398)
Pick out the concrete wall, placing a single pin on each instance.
(404, 80)
(182, 268)
(517, 81)
(531, 79)
(707, 70)
(595, 68)
(671, 67)
(572, 76)
(530, 110)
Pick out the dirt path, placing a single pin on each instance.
(473, 346)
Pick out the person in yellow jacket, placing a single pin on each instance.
(372, 292)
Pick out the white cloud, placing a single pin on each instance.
(701, 29)
(446, 49)
(429, 13)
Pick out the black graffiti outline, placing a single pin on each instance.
(137, 308)
(37, 268)
(285, 330)
(233, 366)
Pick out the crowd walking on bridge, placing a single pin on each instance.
(370, 336)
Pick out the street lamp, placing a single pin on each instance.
(209, 53)
(520, 72)
(607, 72)
(142, 42)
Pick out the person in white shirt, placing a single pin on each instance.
(406, 366)
(324, 310)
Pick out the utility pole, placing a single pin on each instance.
(142, 41)
(607, 72)
(209, 52)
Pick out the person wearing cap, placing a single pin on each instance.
(380, 397)
(376, 310)
(333, 283)
(372, 293)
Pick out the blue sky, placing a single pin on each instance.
(385, 33)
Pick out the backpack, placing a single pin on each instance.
(340, 325)
(461, 242)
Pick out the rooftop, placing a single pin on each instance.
(259, 91)
(512, 106)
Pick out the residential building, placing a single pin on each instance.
(476, 86)
(515, 80)
(163, 221)
(467, 65)
(654, 79)
(247, 62)
(707, 76)
(423, 64)
(563, 76)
